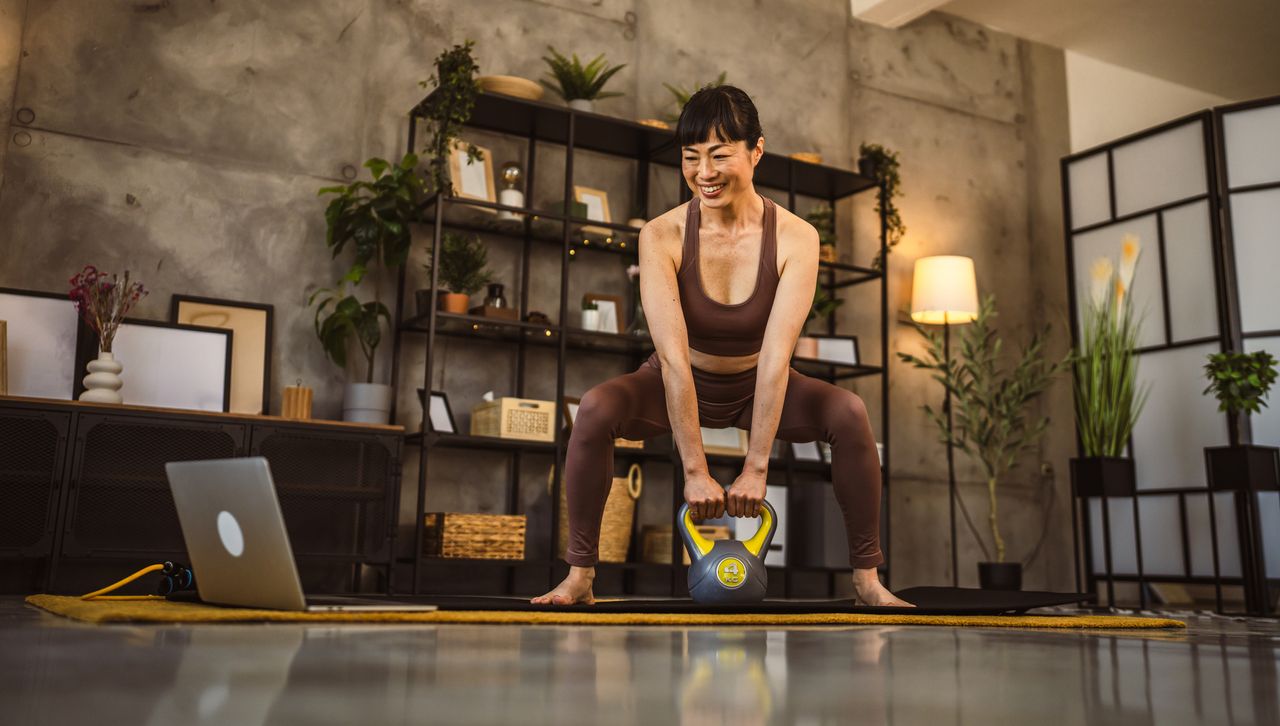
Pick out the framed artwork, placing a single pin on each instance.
(729, 441)
(569, 408)
(251, 327)
(438, 415)
(471, 179)
(806, 451)
(839, 349)
(168, 365)
(42, 333)
(596, 201)
(610, 307)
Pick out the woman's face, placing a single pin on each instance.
(718, 171)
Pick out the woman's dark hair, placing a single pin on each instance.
(726, 111)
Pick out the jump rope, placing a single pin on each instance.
(176, 578)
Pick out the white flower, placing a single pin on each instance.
(1100, 273)
(1130, 248)
(633, 271)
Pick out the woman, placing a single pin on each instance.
(726, 282)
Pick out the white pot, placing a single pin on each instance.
(367, 403)
(511, 198)
(582, 104)
(103, 383)
(590, 319)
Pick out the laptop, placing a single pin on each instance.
(237, 542)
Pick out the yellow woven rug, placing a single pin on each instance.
(163, 611)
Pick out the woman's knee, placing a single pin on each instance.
(850, 415)
(600, 408)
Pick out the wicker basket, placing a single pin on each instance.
(619, 511)
(655, 541)
(474, 536)
(515, 418)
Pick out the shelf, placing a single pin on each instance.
(622, 137)
(841, 371)
(491, 443)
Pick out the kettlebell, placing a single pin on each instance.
(728, 571)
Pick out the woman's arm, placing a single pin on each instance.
(660, 297)
(796, 282)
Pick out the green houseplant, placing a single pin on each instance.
(1240, 382)
(463, 271)
(881, 164)
(371, 219)
(1108, 399)
(991, 425)
(580, 86)
(681, 95)
(447, 109)
(822, 217)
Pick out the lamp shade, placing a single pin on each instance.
(944, 290)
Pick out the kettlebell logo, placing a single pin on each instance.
(731, 572)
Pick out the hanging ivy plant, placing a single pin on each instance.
(882, 165)
(447, 109)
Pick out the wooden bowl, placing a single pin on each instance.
(807, 156)
(511, 86)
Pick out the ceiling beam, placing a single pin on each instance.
(892, 13)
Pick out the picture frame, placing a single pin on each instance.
(730, 441)
(834, 348)
(252, 335)
(610, 307)
(471, 180)
(43, 334)
(596, 201)
(167, 365)
(438, 417)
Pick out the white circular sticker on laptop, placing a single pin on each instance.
(229, 531)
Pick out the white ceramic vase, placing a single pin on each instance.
(591, 319)
(582, 104)
(103, 383)
(367, 403)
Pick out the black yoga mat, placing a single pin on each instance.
(928, 601)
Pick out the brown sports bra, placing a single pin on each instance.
(714, 327)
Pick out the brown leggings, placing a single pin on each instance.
(634, 406)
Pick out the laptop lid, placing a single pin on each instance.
(235, 533)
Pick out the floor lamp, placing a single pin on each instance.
(944, 292)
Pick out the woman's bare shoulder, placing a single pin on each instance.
(665, 232)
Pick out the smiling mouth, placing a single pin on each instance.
(711, 189)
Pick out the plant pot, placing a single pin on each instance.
(866, 168)
(103, 383)
(582, 104)
(591, 319)
(806, 347)
(366, 403)
(1000, 575)
(1245, 467)
(1103, 476)
(453, 302)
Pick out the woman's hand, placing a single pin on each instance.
(704, 495)
(746, 494)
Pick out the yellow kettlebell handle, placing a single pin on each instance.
(754, 545)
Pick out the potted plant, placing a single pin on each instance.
(880, 164)
(463, 272)
(990, 411)
(1107, 398)
(1240, 382)
(682, 94)
(823, 305)
(580, 86)
(447, 109)
(372, 220)
(822, 217)
(102, 301)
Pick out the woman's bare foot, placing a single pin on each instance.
(575, 589)
(866, 584)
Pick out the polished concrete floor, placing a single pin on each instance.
(54, 671)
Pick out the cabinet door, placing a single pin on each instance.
(119, 496)
(336, 489)
(31, 468)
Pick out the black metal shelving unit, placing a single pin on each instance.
(540, 123)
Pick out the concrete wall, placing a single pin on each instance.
(186, 142)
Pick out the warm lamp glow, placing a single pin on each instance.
(944, 290)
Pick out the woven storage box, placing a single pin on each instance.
(515, 418)
(656, 541)
(619, 511)
(474, 536)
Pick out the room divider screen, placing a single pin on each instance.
(1202, 194)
